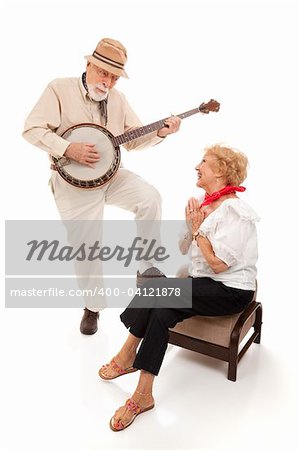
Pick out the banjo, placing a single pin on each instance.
(107, 145)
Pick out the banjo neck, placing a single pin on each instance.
(204, 108)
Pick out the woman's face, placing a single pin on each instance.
(207, 172)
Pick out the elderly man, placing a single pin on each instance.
(92, 98)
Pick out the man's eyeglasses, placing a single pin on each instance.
(105, 74)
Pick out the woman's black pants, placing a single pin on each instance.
(209, 298)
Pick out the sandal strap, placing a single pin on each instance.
(133, 406)
(116, 367)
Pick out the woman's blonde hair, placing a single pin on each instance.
(231, 163)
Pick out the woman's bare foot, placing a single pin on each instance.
(125, 415)
(121, 364)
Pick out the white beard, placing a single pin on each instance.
(96, 96)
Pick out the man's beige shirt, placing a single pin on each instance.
(65, 103)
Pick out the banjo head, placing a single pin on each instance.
(83, 176)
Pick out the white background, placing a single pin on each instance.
(181, 53)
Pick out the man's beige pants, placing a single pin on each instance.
(127, 191)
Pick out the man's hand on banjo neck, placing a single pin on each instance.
(172, 125)
(83, 153)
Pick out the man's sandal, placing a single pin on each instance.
(131, 405)
(119, 370)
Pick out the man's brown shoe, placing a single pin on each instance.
(89, 322)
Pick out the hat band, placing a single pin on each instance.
(109, 61)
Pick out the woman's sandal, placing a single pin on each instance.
(120, 371)
(131, 405)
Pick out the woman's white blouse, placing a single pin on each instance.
(231, 231)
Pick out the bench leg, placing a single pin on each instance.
(258, 324)
(232, 371)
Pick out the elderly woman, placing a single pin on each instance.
(221, 236)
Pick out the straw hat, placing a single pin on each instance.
(110, 55)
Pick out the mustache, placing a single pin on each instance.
(101, 86)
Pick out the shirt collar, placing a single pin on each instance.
(84, 92)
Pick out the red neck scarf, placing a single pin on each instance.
(226, 190)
